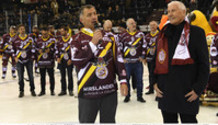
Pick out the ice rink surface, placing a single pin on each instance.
(55, 109)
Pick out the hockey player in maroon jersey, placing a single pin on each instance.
(98, 60)
(51, 29)
(6, 48)
(35, 35)
(133, 46)
(151, 38)
(45, 48)
(24, 54)
(63, 53)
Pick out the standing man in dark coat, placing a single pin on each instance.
(181, 67)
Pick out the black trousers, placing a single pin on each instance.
(20, 72)
(150, 71)
(50, 72)
(63, 67)
(169, 117)
(88, 109)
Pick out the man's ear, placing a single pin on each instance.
(81, 19)
(184, 11)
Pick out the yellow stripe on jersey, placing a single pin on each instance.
(18, 55)
(92, 68)
(5, 47)
(134, 43)
(62, 55)
(39, 57)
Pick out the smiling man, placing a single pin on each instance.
(181, 67)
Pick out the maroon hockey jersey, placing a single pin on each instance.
(133, 45)
(151, 45)
(6, 44)
(97, 65)
(35, 36)
(23, 48)
(45, 60)
(63, 48)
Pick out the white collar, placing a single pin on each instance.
(88, 30)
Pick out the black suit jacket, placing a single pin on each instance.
(182, 79)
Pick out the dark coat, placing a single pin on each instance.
(184, 78)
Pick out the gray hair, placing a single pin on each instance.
(88, 6)
(127, 21)
(154, 22)
(107, 21)
(179, 4)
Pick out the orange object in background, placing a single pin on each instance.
(163, 20)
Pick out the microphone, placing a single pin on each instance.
(98, 26)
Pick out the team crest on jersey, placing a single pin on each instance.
(161, 56)
(132, 51)
(213, 51)
(45, 56)
(101, 72)
(23, 54)
(9, 46)
(214, 62)
(66, 57)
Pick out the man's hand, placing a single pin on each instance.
(59, 60)
(69, 62)
(123, 89)
(141, 59)
(145, 61)
(96, 37)
(125, 61)
(16, 59)
(159, 93)
(192, 96)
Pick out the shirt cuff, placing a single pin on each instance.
(123, 80)
(93, 47)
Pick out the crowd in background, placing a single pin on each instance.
(57, 12)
